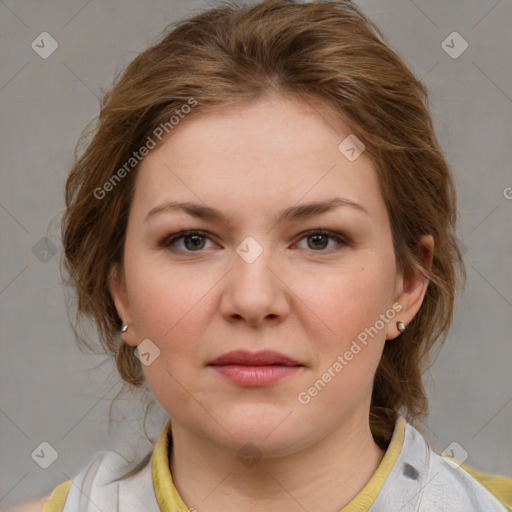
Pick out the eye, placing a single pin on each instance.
(194, 241)
(320, 239)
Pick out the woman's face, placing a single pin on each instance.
(261, 279)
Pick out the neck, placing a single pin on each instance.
(324, 476)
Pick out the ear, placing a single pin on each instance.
(411, 288)
(117, 289)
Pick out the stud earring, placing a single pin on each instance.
(400, 326)
(124, 329)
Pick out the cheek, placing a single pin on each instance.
(347, 355)
(350, 299)
(166, 314)
(355, 309)
(164, 297)
(164, 306)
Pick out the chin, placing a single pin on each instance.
(272, 433)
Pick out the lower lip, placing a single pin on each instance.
(256, 375)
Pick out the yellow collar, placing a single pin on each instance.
(170, 501)
(166, 494)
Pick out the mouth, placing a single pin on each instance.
(254, 369)
(245, 358)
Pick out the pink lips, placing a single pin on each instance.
(255, 368)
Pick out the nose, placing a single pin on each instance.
(255, 291)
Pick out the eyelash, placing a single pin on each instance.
(341, 240)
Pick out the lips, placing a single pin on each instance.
(255, 369)
(245, 358)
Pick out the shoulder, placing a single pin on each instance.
(104, 465)
(433, 481)
(498, 485)
(31, 506)
(35, 505)
(53, 502)
(453, 479)
(109, 477)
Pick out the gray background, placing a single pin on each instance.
(50, 391)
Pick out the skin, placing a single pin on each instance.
(306, 297)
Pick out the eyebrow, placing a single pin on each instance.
(290, 214)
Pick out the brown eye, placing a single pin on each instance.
(318, 240)
(193, 241)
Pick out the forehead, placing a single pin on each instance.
(267, 153)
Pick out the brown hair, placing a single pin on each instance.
(326, 51)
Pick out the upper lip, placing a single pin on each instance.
(263, 358)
